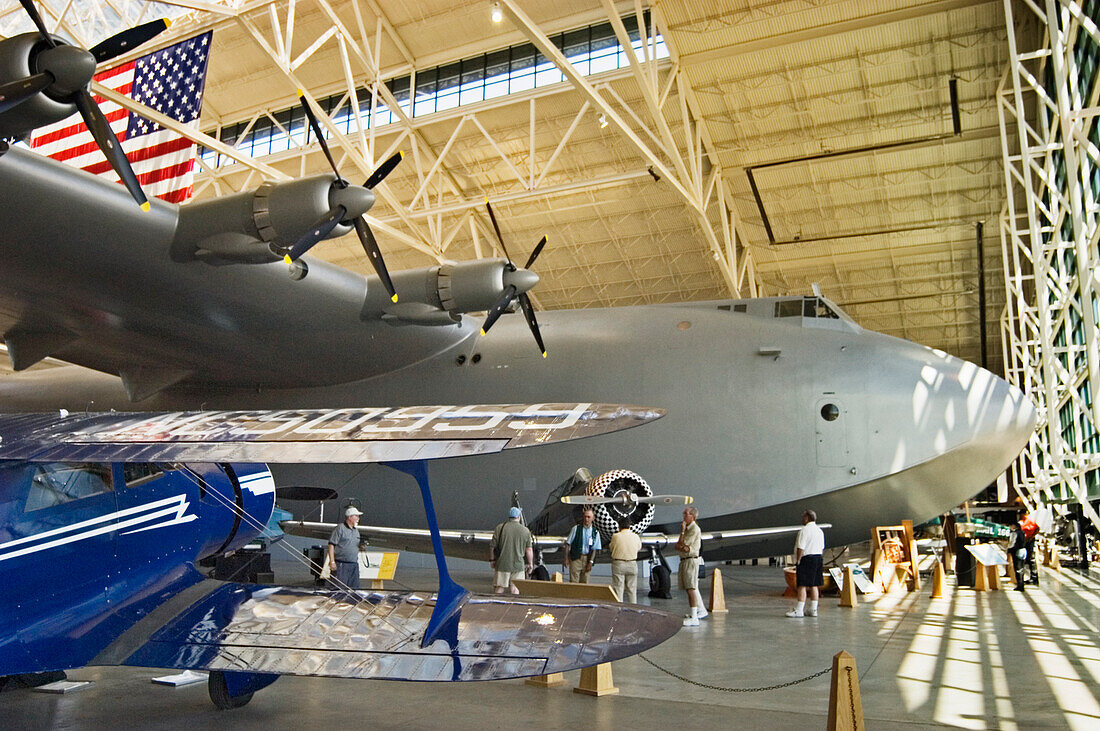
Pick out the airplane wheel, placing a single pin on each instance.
(219, 693)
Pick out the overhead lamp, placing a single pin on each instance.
(496, 14)
(603, 121)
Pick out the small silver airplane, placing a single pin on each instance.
(774, 404)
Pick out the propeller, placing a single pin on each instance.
(511, 292)
(627, 498)
(66, 71)
(325, 226)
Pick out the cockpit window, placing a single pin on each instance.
(788, 308)
(57, 483)
(137, 473)
(805, 307)
(814, 307)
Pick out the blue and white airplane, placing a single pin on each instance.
(102, 517)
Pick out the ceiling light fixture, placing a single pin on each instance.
(603, 121)
(496, 14)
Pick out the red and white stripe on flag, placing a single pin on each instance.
(163, 160)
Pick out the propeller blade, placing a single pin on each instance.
(499, 307)
(535, 253)
(626, 498)
(370, 245)
(320, 137)
(496, 228)
(128, 39)
(666, 499)
(594, 500)
(109, 145)
(383, 170)
(316, 233)
(14, 92)
(529, 314)
(32, 11)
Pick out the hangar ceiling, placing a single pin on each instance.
(838, 111)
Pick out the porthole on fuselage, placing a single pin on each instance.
(830, 412)
(460, 360)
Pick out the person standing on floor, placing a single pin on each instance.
(343, 552)
(624, 548)
(1017, 552)
(580, 548)
(511, 553)
(687, 547)
(808, 547)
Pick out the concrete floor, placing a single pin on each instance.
(992, 660)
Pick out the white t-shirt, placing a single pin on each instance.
(811, 539)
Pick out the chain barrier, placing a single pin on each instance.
(736, 690)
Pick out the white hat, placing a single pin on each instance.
(351, 511)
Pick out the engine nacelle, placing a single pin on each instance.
(261, 225)
(438, 295)
(18, 56)
(613, 484)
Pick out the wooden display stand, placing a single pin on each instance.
(845, 705)
(595, 680)
(717, 604)
(895, 556)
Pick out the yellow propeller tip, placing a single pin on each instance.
(167, 22)
(145, 206)
(300, 93)
(544, 354)
(483, 331)
(690, 500)
(287, 259)
(394, 298)
(400, 154)
(486, 199)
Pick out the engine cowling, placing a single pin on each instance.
(259, 226)
(437, 295)
(18, 60)
(614, 484)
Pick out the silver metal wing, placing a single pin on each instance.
(307, 435)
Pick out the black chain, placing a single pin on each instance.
(736, 690)
(852, 697)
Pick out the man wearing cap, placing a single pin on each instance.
(511, 553)
(343, 551)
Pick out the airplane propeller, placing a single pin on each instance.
(325, 226)
(66, 71)
(627, 498)
(511, 292)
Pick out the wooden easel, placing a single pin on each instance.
(889, 563)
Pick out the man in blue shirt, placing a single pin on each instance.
(580, 548)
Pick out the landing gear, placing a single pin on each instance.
(219, 693)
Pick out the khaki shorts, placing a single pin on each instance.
(689, 573)
(505, 579)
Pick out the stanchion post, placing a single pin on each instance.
(938, 579)
(717, 603)
(845, 705)
(848, 591)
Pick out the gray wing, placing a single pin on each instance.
(472, 544)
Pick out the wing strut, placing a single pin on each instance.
(443, 624)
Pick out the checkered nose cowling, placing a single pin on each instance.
(613, 483)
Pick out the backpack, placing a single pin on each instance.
(660, 582)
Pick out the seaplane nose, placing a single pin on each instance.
(981, 423)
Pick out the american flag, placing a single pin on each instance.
(171, 81)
